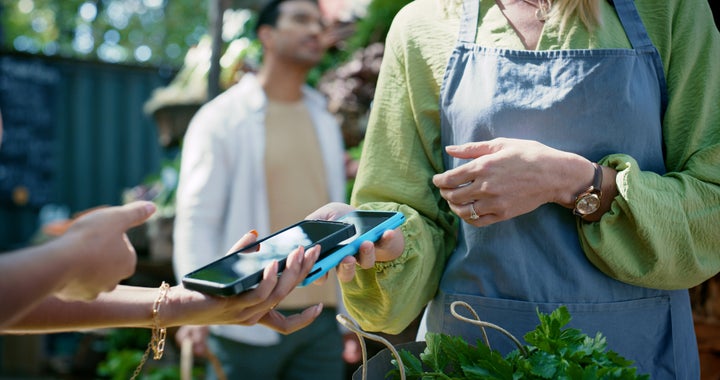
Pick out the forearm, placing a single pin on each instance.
(27, 277)
(126, 306)
(123, 307)
(573, 175)
(389, 296)
(661, 231)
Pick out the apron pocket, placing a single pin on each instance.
(640, 330)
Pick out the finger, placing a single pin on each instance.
(460, 195)
(390, 246)
(299, 264)
(366, 254)
(456, 178)
(132, 214)
(331, 211)
(246, 240)
(470, 150)
(273, 289)
(462, 209)
(289, 324)
(346, 269)
(484, 218)
(265, 287)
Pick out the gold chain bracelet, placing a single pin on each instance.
(157, 340)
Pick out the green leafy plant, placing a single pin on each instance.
(125, 351)
(375, 25)
(554, 352)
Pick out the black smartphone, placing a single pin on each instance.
(242, 270)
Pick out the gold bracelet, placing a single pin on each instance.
(157, 340)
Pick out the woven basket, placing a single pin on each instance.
(379, 365)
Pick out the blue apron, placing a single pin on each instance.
(590, 102)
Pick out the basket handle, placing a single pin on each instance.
(478, 322)
(354, 327)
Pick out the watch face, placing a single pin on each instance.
(588, 204)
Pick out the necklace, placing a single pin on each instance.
(543, 9)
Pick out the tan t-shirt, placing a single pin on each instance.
(296, 183)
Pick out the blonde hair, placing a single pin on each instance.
(587, 10)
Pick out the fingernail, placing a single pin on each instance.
(299, 259)
(272, 268)
(150, 207)
(348, 266)
(253, 232)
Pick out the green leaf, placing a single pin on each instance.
(555, 352)
(434, 356)
(544, 364)
(413, 365)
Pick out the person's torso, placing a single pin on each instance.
(590, 102)
(294, 170)
(296, 183)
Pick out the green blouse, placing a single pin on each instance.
(661, 232)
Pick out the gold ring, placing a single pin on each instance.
(473, 214)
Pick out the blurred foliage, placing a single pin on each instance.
(158, 187)
(125, 350)
(376, 23)
(371, 28)
(348, 75)
(122, 31)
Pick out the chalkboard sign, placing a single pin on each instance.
(27, 153)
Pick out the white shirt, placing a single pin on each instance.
(221, 193)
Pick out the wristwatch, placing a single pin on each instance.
(588, 201)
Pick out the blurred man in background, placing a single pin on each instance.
(264, 155)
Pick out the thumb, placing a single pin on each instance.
(134, 213)
(469, 150)
(244, 241)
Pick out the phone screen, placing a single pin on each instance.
(249, 262)
(364, 222)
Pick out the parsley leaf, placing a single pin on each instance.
(553, 352)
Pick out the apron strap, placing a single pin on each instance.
(640, 41)
(634, 28)
(469, 21)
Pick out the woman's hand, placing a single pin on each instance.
(389, 247)
(331, 211)
(510, 177)
(256, 306)
(97, 253)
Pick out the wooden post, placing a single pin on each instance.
(216, 8)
